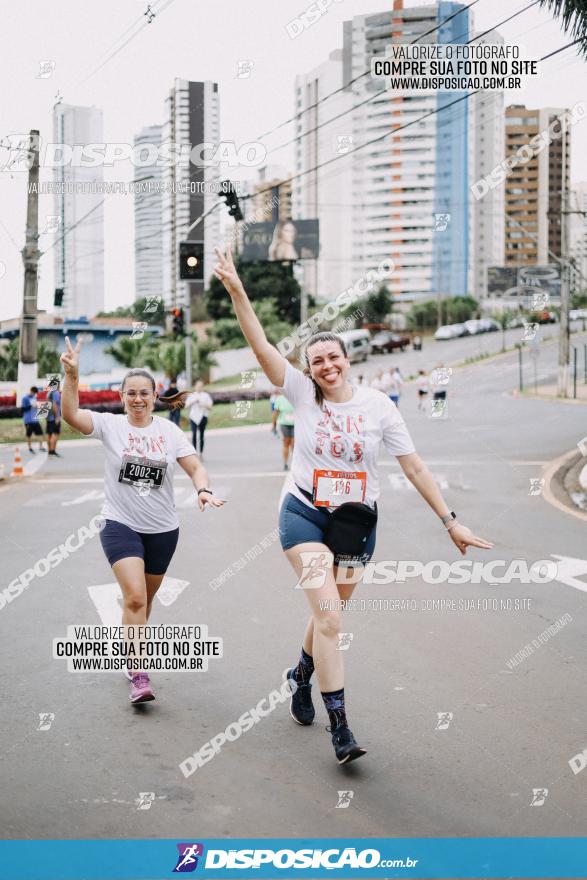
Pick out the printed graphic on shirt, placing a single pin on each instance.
(144, 446)
(342, 435)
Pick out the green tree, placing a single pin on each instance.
(130, 352)
(574, 17)
(136, 311)
(262, 280)
(226, 332)
(423, 315)
(378, 306)
(169, 356)
(459, 309)
(47, 360)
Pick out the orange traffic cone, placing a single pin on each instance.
(17, 469)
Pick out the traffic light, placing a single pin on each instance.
(227, 190)
(178, 324)
(191, 260)
(58, 299)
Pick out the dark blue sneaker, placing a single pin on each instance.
(301, 707)
(345, 745)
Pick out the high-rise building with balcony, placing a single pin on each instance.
(533, 187)
(79, 252)
(148, 214)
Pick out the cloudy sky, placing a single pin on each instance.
(198, 40)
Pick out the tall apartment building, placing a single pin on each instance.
(192, 119)
(578, 236)
(79, 254)
(402, 181)
(325, 194)
(533, 188)
(148, 215)
(274, 199)
(486, 215)
(408, 189)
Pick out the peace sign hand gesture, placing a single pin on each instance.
(225, 271)
(70, 358)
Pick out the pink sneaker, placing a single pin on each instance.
(140, 688)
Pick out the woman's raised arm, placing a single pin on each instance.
(271, 362)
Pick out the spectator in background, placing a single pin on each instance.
(174, 414)
(30, 418)
(54, 418)
(200, 404)
(417, 343)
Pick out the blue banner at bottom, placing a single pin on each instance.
(556, 857)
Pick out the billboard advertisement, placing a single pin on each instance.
(524, 281)
(285, 240)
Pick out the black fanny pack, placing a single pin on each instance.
(349, 527)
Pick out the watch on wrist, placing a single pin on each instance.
(209, 491)
(449, 519)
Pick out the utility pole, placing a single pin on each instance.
(564, 335)
(27, 357)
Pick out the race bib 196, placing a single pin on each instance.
(333, 488)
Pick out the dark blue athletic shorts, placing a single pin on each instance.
(120, 541)
(300, 524)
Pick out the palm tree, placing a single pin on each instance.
(574, 17)
(47, 360)
(129, 352)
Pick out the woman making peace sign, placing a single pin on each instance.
(142, 527)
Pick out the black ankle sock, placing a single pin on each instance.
(334, 703)
(304, 669)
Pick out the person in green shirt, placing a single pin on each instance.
(283, 418)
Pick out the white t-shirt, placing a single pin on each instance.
(423, 383)
(143, 508)
(342, 436)
(200, 404)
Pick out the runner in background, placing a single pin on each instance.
(393, 385)
(283, 418)
(30, 418)
(423, 386)
(200, 403)
(54, 418)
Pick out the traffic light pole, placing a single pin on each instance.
(188, 306)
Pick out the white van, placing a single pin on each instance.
(358, 344)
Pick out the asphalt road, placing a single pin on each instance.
(513, 730)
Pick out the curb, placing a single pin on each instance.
(554, 492)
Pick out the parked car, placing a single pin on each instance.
(358, 344)
(474, 326)
(387, 341)
(578, 314)
(451, 331)
(489, 325)
(518, 321)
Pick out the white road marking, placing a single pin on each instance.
(92, 495)
(107, 598)
(400, 481)
(567, 568)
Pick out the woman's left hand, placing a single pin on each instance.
(205, 498)
(464, 537)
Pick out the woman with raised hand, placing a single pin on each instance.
(141, 524)
(328, 517)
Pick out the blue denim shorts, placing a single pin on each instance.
(120, 541)
(300, 524)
